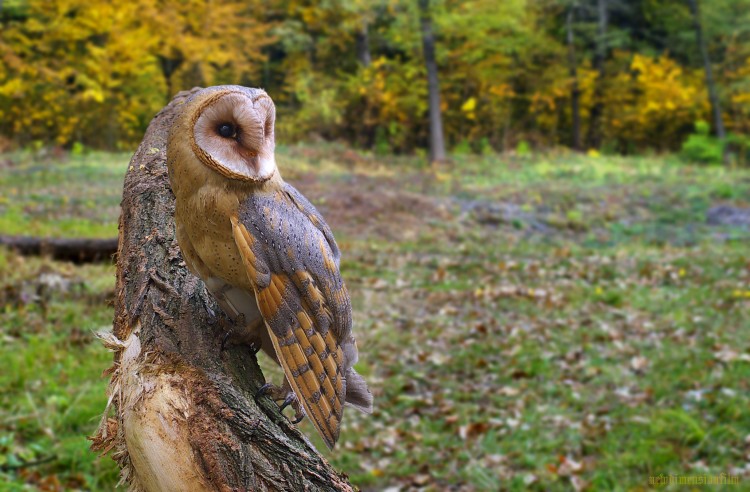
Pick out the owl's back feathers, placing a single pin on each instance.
(293, 260)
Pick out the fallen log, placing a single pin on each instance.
(182, 414)
(76, 250)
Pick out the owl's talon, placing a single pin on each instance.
(224, 340)
(264, 390)
(290, 398)
(286, 394)
(299, 417)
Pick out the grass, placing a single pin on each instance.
(596, 338)
(52, 391)
(61, 196)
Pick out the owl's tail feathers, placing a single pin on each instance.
(357, 394)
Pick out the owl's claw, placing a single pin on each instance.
(290, 398)
(224, 340)
(264, 390)
(286, 394)
(245, 336)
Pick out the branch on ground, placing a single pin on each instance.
(63, 249)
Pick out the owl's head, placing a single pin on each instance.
(231, 131)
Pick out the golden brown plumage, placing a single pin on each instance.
(263, 250)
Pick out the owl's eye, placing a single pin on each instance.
(227, 130)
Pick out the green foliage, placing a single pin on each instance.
(700, 147)
(382, 147)
(77, 149)
(523, 148)
(462, 148)
(738, 147)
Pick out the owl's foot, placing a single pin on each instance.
(224, 340)
(243, 334)
(255, 346)
(285, 394)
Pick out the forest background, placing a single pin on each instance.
(563, 303)
(609, 75)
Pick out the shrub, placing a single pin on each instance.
(701, 147)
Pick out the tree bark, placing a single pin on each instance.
(712, 93)
(182, 414)
(575, 92)
(63, 249)
(594, 136)
(437, 142)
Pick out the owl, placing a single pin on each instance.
(264, 252)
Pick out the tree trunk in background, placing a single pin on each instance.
(712, 94)
(575, 92)
(363, 45)
(437, 142)
(594, 137)
(182, 414)
(168, 67)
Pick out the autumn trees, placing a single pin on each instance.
(97, 71)
(616, 75)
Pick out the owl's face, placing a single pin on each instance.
(232, 131)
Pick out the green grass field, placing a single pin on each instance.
(555, 322)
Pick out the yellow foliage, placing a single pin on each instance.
(80, 69)
(469, 105)
(654, 102)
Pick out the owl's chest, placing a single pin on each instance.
(205, 218)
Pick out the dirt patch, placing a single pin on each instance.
(502, 214)
(374, 207)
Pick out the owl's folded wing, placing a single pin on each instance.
(329, 280)
(296, 300)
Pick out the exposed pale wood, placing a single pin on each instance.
(182, 414)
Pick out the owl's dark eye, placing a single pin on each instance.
(226, 130)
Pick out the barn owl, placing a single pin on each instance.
(264, 252)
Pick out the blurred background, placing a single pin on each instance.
(615, 76)
(543, 208)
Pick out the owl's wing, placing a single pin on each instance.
(291, 259)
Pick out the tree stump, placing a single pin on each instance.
(181, 413)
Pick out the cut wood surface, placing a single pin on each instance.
(182, 413)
